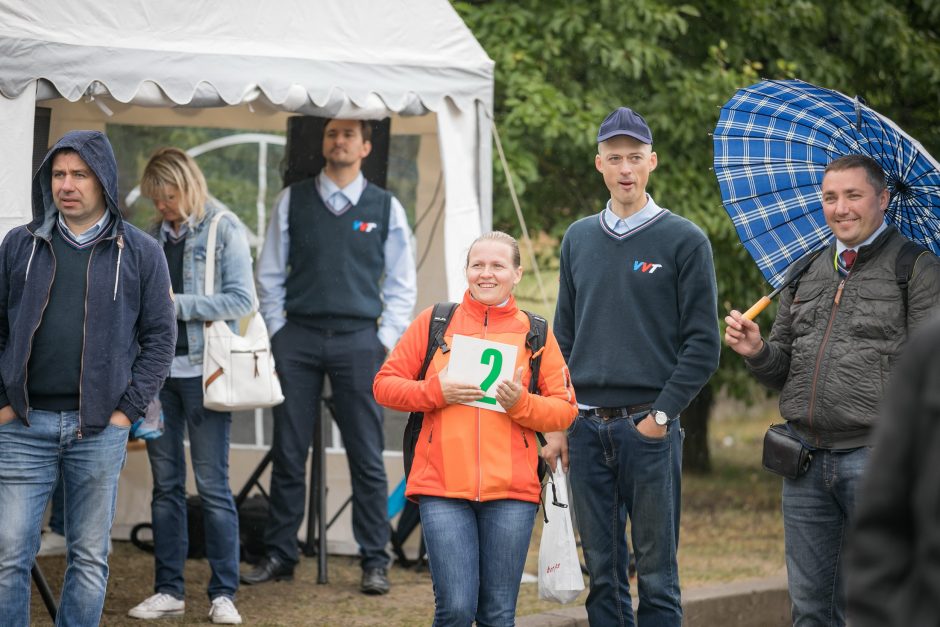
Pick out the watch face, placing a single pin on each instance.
(661, 418)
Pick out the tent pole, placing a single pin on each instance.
(515, 203)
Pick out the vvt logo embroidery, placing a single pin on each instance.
(645, 266)
(364, 227)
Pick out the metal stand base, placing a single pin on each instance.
(44, 591)
(316, 510)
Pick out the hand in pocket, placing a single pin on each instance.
(7, 414)
(120, 419)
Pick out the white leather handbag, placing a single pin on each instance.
(237, 370)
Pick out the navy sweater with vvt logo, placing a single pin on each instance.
(637, 315)
(336, 262)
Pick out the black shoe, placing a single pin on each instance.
(270, 568)
(374, 581)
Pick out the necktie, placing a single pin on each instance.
(338, 203)
(847, 260)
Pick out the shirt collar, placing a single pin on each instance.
(621, 225)
(842, 247)
(326, 187)
(172, 234)
(91, 233)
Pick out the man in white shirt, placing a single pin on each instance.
(337, 287)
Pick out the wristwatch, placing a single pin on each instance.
(660, 417)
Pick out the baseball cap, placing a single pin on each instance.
(625, 121)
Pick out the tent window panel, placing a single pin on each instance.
(228, 158)
(403, 171)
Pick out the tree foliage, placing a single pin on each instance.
(561, 66)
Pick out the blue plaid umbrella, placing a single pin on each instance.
(772, 143)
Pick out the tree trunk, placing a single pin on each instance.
(695, 457)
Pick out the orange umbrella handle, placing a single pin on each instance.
(757, 307)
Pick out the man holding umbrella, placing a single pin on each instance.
(839, 329)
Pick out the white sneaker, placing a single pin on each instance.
(52, 544)
(223, 612)
(159, 605)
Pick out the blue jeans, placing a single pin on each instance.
(476, 552)
(208, 448)
(31, 461)
(304, 356)
(616, 473)
(817, 510)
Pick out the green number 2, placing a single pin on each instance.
(495, 359)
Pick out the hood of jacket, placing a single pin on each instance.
(95, 150)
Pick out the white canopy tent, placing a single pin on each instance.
(250, 64)
(363, 59)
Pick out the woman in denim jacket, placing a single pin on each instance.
(178, 189)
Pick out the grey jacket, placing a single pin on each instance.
(830, 354)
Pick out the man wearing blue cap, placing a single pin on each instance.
(637, 323)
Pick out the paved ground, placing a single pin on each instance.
(756, 602)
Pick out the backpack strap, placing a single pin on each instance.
(535, 342)
(440, 319)
(904, 268)
(798, 268)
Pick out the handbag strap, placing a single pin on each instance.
(209, 287)
(209, 280)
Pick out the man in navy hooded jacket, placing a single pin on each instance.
(87, 334)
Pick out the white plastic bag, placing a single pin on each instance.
(560, 578)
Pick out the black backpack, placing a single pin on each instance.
(903, 269)
(440, 318)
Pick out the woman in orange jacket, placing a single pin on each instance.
(475, 470)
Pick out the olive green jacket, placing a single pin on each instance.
(834, 342)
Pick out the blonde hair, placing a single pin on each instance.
(499, 236)
(172, 167)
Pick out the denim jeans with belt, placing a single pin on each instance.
(817, 510)
(616, 473)
(208, 448)
(351, 359)
(477, 553)
(31, 461)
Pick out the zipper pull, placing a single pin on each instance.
(839, 291)
(486, 316)
(524, 440)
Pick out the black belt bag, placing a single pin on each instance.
(785, 454)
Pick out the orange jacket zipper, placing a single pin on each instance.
(486, 318)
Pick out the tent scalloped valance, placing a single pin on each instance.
(75, 72)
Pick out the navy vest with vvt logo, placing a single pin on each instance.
(336, 262)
